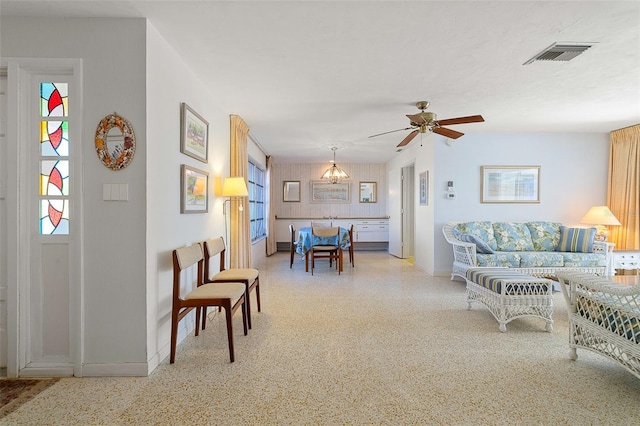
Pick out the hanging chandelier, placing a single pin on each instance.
(334, 173)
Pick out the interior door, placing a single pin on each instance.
(408, 209)
(3, 219)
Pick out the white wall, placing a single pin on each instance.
(113, 54)
(306, 173)
(573, 177)
(170, 82)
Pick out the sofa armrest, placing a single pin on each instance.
(463, 252)
(606, 248)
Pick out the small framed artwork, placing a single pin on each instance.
(326, 192)
(368, 192)
(424, 188)
(510, 184)
(194, 190)
(194, 134)
(291, 191)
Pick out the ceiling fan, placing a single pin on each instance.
(427, 121)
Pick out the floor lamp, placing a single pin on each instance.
(233, 187)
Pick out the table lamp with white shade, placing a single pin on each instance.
(601, 217)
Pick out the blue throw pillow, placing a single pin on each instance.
(481, 246)
(576, 240)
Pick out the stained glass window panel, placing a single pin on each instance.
(54, 217)
(54, 138)
(54, 177)
(54, 100)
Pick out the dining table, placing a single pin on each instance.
(306, 239)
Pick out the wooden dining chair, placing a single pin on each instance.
(325, 250)
(229, 296)
(249, 276)
(320, 224)
(294, 243)
(351, 244)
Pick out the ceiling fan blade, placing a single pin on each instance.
(451, 134)
(392, 131)
(408, 139)
(461, 120)
(416, 118)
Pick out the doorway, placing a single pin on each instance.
(408, 211)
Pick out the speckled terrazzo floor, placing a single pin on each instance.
(381, 344)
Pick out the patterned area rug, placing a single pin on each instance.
(15, 392)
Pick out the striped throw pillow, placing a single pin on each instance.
(576, 240)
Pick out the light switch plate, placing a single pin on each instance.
(106, 192)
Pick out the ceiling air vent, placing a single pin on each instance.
(560, 52)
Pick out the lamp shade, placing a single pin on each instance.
(600, 215)
(234, 187)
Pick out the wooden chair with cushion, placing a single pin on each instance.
(294, 243)
(320, 224)
(249, 276)
(230, 296)
(327, 248)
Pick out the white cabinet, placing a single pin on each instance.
(626, 259)
(364, 230)
(371, 230)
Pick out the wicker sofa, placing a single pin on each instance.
(604, 317)
(535, 248)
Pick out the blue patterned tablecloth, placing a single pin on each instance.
(304, 240)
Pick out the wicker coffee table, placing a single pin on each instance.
(509, 295)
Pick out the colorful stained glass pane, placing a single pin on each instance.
(54, 100)
(54, 217)
(54, 138)
(54, 177)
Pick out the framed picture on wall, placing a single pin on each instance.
(291, 191)
(326, 192)
(510, 184)
(194, 190)
(424, 188)
(194, 134)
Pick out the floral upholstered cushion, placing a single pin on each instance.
(575, 260)
(540, 259)
(512, 236)
(481, 246)
(508, 260)
(545, 235)
(481, 230)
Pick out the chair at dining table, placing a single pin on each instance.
(327, 246)
(294, 243)
(351, 258)
(320, 224)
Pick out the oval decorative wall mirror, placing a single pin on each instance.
(115, 142)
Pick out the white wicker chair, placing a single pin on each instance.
(604, 317)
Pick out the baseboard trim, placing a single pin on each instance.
(138, 369)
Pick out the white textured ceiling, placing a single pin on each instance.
(307, 75)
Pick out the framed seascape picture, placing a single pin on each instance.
(194, 190)
(510, 184)
(326, 192)
(194, 134)
(424, 188)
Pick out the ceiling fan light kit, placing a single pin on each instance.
(428, 121)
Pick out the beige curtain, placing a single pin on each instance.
(239, 246)
(271, 191)
(624, 187)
